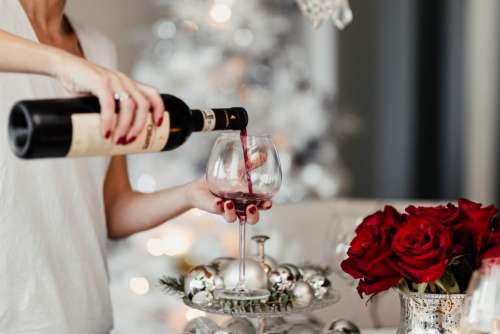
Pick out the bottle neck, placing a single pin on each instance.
(235, 118)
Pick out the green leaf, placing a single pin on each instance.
(403, 286)
(421, 288)
(447, 283)
(441, 286)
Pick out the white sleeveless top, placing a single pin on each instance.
(53, 275)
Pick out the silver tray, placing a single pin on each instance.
(333, 297)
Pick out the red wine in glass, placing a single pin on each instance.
(242, 200)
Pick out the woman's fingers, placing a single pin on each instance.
(141, 111)
(125, 114)
(252, 214)
(156, 102)
(266, 205)
(229, 211)
(107, 103)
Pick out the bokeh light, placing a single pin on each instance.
(139, 285)
(220, 13)
(155, 247)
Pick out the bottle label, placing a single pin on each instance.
(87, 139)
(208, 119)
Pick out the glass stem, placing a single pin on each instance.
(241, 286)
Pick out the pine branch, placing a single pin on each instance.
(173, 286)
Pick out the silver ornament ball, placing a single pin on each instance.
(201, 325)
(281, 279)
(302, 295)
(238, 326)
(294, 270)
(201, 278)
(341, 326)
(256, 277)
(307, 273)
(320, 285)
(203, 298)
(221, 263)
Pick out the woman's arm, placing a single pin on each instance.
(78, 75)
(128, 212)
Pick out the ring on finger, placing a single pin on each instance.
(122, 96)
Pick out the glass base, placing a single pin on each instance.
(237, 294)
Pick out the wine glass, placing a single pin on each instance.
(481, 312)
(246, 170)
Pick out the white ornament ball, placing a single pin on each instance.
(203, 298)
(302, 295)
(256, 277)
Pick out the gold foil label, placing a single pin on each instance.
(87, 139)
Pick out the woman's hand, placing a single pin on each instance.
(136, 100)
(199, 196)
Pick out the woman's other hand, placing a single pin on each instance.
(199, 196)
(135, 99)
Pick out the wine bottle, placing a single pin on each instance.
(54, 128)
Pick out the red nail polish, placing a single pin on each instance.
(121, 140)
(219, 203)
(252, 210)
(160, 122)
(230, 205)
(108, 134)
(131, 140)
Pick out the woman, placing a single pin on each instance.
(55, 215)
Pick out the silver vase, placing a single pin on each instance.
(430, 313)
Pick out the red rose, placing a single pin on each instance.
(369, 254)
(492, 249)
(421, 249)
(447, 215)
(474, 230)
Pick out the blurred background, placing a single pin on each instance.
(402, 104)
